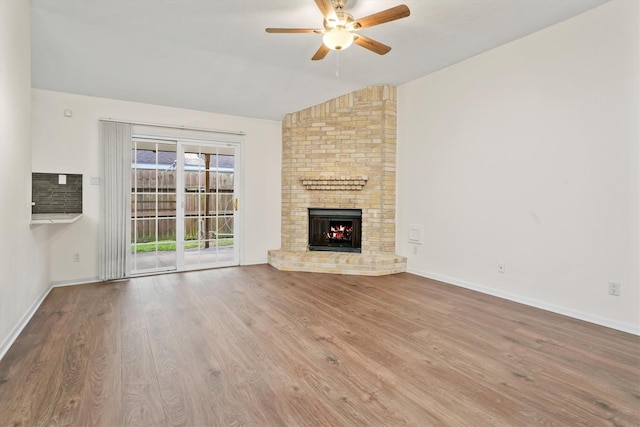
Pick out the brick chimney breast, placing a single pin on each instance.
(341, 154)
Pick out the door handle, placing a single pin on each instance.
(236, 204)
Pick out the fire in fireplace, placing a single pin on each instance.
(337, 230)
(340, 232)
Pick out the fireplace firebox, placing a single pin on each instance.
(337, 230)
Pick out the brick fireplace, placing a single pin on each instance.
(341, 155)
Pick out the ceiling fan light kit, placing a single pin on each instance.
(338, 39)
(340, 29)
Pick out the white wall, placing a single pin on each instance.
(527, 155)
(23, 264)
(70, 145)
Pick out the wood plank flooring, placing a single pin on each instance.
(257, 346)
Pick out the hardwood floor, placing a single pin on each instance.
(257, 346)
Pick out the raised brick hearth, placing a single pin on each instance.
(341, 154)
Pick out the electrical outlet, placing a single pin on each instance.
(614, 288)
(501, 268)
(76, 257)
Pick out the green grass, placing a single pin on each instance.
(169, 246)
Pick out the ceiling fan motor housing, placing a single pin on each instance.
(340, 29)
(343, 21)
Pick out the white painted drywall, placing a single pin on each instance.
(70, 145)
(527, 155)
(23, 263)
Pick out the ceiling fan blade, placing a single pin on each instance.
(398, 12)
(320, 53)
(371, 44)
(292, 30)
(327, 10)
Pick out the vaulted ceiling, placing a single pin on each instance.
(214, 55)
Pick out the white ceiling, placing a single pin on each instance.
(214, 55)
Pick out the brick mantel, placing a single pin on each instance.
(341, 154)
(328, 183)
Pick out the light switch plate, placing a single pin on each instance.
(95, 180)
(415, 234)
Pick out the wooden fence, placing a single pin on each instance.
(154, 194)
(150, 179)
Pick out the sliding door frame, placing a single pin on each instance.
(238, 192)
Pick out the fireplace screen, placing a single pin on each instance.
(337, 230)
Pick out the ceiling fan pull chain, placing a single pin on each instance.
(337, 68)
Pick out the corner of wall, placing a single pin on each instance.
(23, 251)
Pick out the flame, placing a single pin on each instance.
(340, 232)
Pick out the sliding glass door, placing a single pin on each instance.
(209, 197)
(153, 206)
(183, 205)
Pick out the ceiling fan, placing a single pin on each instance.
(340, 29)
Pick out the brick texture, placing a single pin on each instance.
(51, 197)
(342, 154)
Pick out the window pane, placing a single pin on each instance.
(191, 228)
(167, 229)
(144, 230)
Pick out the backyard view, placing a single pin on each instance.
(208, 200)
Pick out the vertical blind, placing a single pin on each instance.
(115, 202)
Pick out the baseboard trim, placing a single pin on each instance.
(635, 330)
(255, 262)
(17, 330)
(62, 283)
